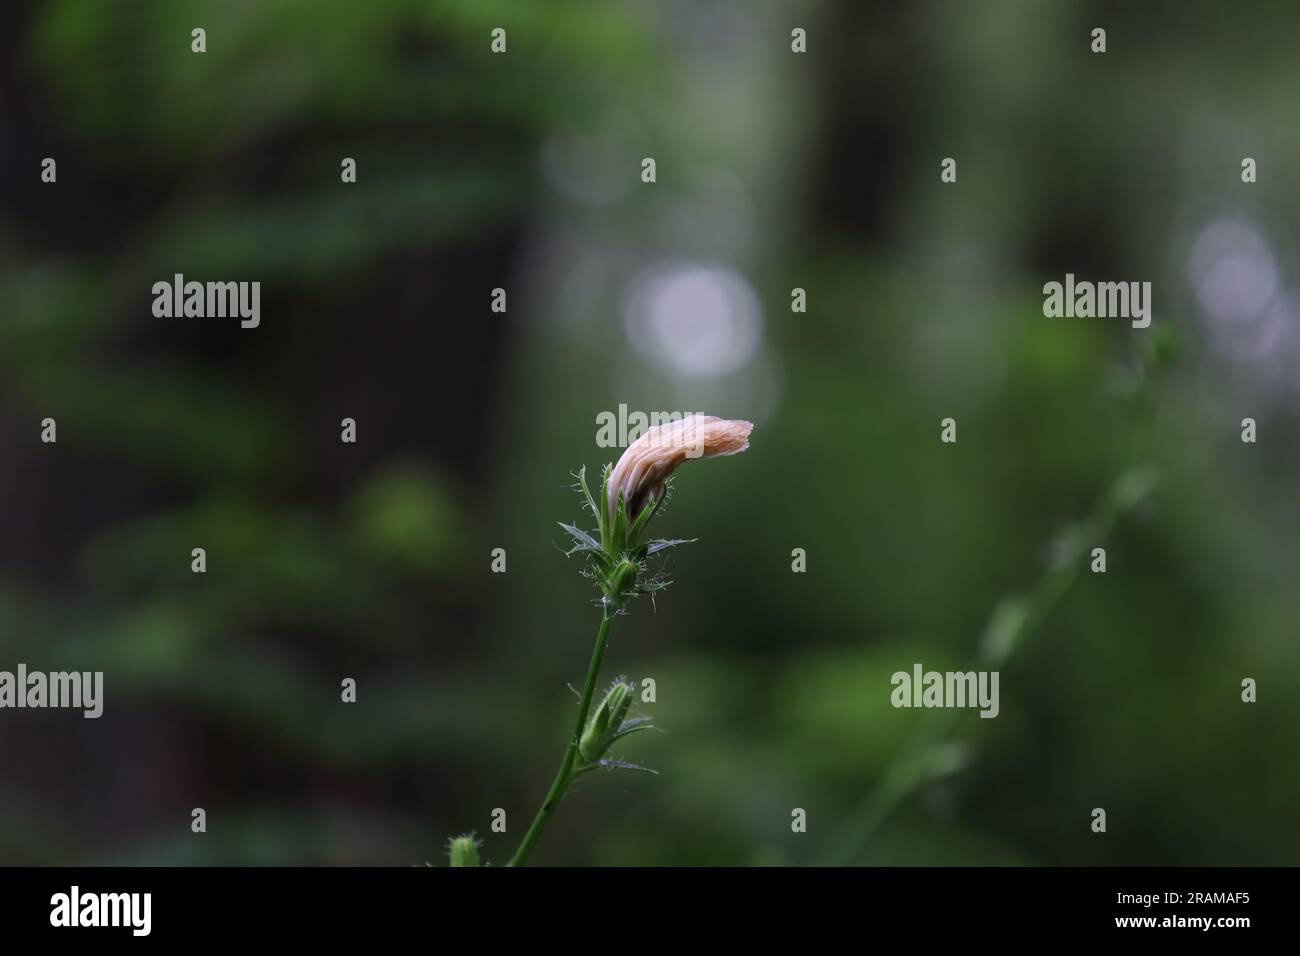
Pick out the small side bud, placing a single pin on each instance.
(605, 723)
(464, 851)
(620, 585)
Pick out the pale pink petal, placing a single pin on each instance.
(650, 460)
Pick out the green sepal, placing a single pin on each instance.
(632, 726)
(643, 519)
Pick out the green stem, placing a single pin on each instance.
(568, 767)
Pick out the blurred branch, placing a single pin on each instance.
(932, 753)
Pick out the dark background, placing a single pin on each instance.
(775, 170)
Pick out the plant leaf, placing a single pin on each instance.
(583, 540)
(629, 727)
(663, 544)
(609, 763)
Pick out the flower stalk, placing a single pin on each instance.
(617, 557)
(569, 766)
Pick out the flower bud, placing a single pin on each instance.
(464, 851)
(647, 463)
(606, 721)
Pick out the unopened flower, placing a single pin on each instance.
(617, 550)
(606, 722)
(648, 462)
